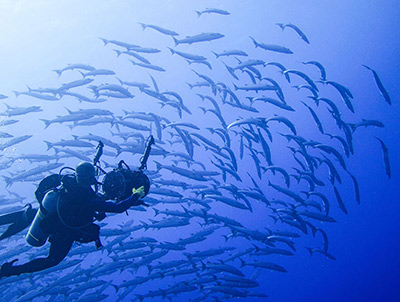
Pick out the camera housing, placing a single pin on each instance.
(118, 184)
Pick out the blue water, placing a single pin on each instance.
(39, 37)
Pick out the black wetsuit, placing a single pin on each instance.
(17, 221)
(77, 207)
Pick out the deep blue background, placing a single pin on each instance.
(40, 36)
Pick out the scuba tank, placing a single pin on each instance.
(36, 236)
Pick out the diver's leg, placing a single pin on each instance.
(9, 232)
(59, 248)
(18, 222)
(11, 217)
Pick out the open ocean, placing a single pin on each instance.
(269, 117)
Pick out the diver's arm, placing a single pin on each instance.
(122, 206)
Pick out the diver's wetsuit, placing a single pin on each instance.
(17, 221)
(77, 206)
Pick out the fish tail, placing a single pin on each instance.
(198, 13)
(120, 81)
(69, 111)
(46, 123)
(105, 41)
(231, 71)
(203, 109)
(60, 91)
(281, 25)
(116, 287)
(176, 41)
(16, 93)
(286, 75)
(143, 25)
(140, 297)
(119, 151)
(216, 55)
(118, 52)
(145, 225)
(316, 100)
(58, 71)
(116, 125)
(369, 68)
(49, 145)
(226, 236)
(7, 180)
(94, 90)
(254, 41)
(203, 265)
(184, 209)
(256, 247)
(172, 51)
(352, 126)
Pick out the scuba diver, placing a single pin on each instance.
(69, 206)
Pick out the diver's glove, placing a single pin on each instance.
(7, 269)
(140, 191)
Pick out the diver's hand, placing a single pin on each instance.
(139, 191)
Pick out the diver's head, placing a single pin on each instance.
(85, 174)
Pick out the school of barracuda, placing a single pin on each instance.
(227, 153)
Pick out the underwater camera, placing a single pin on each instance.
(118, 184)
